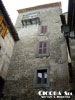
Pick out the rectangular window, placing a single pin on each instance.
(30, 19)
(43, 29)
(41, 76)
(42, 48)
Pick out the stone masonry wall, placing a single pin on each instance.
(7, 45)
(20, 77)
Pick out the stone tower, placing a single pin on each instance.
(39, 60)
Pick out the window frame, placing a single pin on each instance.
(47, 54)
(35, 84)
(42, 34)
(33, 18)
(42, 79)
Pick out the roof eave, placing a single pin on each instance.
(40, 6)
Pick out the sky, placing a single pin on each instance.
(13, 5)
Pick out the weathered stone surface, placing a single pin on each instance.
(72, 50)
(7, 45)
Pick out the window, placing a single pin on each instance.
(41, 77)
(42, 49)
(43, 29)
(24, 23)
(32, 19)
(28, 22)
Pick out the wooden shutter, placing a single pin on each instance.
(44, 29)
(42, 47)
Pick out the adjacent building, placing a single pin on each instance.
(8, 37)
(68, 30)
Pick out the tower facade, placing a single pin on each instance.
(39, 60)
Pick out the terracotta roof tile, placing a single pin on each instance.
(39, 6)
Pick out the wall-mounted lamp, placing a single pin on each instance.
(65, 30)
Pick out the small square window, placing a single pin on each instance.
(41, 77)
(42, 49)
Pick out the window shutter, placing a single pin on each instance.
(45, 48)
(45, 44)
(43, 29)
(42, 47)
(40, 51)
